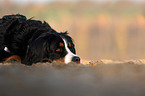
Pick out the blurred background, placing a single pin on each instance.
(101, 29)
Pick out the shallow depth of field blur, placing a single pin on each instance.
(106, 32)
(101, 30)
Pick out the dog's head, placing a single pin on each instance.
(49, 47)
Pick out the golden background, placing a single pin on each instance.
(101, 30)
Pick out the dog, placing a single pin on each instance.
(33, 41)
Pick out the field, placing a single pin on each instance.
(126, 79)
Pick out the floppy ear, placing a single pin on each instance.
(37, 50)
(33, 52)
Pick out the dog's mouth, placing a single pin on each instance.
(74, 59)
(16, 58)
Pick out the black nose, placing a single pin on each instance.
(76, 59)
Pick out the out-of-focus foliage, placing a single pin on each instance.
(111, 30)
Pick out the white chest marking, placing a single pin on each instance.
(69, 55)
(6, 49)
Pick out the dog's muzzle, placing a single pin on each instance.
(76, 59)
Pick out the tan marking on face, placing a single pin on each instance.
(58, 50)
(61, 44)
(69, 44)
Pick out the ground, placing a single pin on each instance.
(100, 78)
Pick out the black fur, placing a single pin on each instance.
(32, 40)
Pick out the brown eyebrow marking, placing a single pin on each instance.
(61, 44)
(69, 44)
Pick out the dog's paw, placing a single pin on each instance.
(13, 58)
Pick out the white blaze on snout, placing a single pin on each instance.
(69, 55)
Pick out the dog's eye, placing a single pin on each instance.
(58, 50)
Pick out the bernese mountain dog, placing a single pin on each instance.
(32, 41)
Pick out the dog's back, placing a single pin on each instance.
(16, 31)
(7, 26)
